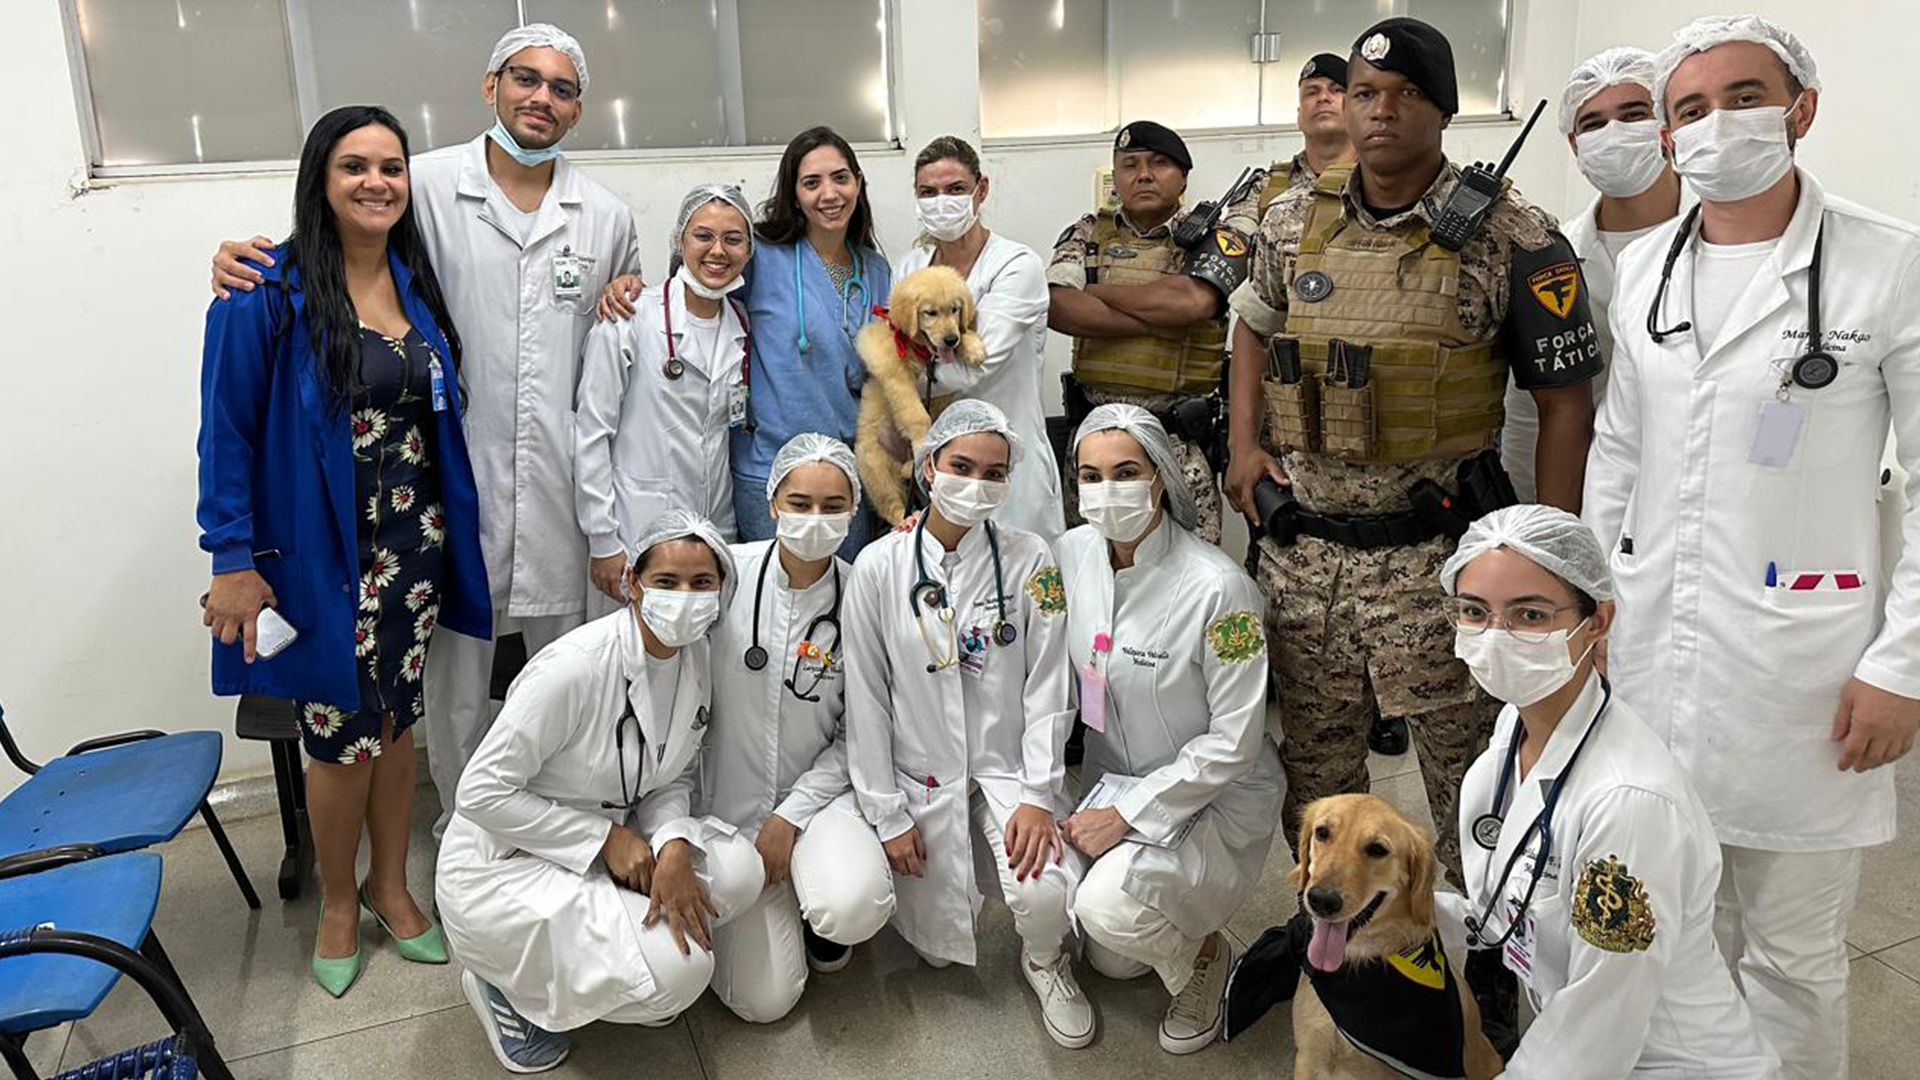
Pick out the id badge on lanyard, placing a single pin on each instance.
(437, 375)
(570, 271)
(1093, 684)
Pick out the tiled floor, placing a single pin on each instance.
(884, 1016)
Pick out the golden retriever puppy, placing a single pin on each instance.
(1366, 877)
(930, 319)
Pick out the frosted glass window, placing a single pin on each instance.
(817, 62)
(1477, 29)
(175, 82)
(1043, 67)
(1185, 63)
(1307, 27)
(659, 71)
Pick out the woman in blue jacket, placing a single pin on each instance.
(335, 489)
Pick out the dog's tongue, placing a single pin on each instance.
(943, 355)
(1328, 949)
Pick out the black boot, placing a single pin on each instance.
(1498, 993)
(1389, 736)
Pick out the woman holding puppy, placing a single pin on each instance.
(1009, 283)
(1590, 862)
(1164, 631)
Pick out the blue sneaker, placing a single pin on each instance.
(520, 1046)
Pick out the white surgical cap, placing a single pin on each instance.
(700, 197)
(1558, 541)
(810, 446)
(1704, 33)
(534, 35)
(1603, 71)
(1152, 437)
(682, 525)
(968, 416)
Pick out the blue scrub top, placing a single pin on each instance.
(791, 392)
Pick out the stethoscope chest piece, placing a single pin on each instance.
(1486, 831)
(756, 658)
(1005, 633)
(1815, 370)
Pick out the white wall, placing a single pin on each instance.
(104, 293)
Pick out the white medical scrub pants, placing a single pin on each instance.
(839, 883)
(1781, 920)
(458, 695)
(730, 869)
(1125, 937)
(1041, 905)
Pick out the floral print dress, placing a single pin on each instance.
(401, 532)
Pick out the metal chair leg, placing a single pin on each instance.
(13, 1049)
(288, 785)
(150, 948)
(233, 860)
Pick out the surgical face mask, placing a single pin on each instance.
(946, 217)
(679, 618)
(965, 500)
(699, 288)
(1515, 670)
(1622, 159)
(1119, 510)
(812, 537)
(1733, 154)
(504, 140)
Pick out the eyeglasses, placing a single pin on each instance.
(1531, 622)
(529, 80)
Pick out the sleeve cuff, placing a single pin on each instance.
(1263, 318)
(226, 560)
(1145, 814)
(604, 544)
(1067, 275)
(1038, 796)
(1887, 679)
(581, 857)
(893, 824)
(685, 828)
(798, 810)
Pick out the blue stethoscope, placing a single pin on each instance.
(855, 284)
(1487, 828)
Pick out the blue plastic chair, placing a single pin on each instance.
(78, 919)
(118, 793)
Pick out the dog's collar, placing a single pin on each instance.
(902, 344)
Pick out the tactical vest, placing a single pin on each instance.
(1432, 389)
(1279, 179)
(1190, 365)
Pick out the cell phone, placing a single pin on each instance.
(272, 634)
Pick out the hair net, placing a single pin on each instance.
(1152, 437)
(1704, 33)
(1555, 539)
(1602, 71)
(809, 446)
(680, 524)
(967, 416)
(534, 35)
(698, 198)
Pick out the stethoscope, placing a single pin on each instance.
(856, 283)
(756, 656)
(1487, 828)
(935, 596)
(1814, 369)
(675, 368)
(628, 800)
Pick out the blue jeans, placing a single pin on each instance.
(755, 523)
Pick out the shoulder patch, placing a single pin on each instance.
(1230, 243)
(1237, 637)
(1610, 908)
(1047, 591)
(1556, 287)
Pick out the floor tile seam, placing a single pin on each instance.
(342, 1034)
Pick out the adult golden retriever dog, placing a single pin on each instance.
(929, 319)
(1366, 877)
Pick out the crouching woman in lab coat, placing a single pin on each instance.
(1590, 861)
(658, 392)
(776, 763)
(573, 884)
(1165, 633)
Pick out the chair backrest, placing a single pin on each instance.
(20, 760)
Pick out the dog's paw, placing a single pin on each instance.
(971, 351)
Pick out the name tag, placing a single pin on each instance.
(1776, 433)
(737, 405)
(570, 270)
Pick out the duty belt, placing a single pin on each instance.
(1366, 531)
(1077, 405)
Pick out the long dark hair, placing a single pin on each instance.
(781, 221)
(332, 326)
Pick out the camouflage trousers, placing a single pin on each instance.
(1347, 631)
(1193, 463)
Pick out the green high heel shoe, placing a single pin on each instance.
(429, 946)
(338, 974)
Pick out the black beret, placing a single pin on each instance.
(1326, 66)
(1413, 49)
(1147, 135)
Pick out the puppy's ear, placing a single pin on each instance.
(1302, 871)
(1422, 875)
(905, 309)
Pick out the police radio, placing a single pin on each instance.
(1198, 225)
(1467, 208)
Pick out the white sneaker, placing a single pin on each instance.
(1193, 1017)
(1063, 1005)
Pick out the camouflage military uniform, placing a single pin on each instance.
(1243, 214)
(1353, 628)
(1068, 269)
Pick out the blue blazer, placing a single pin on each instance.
(277, 491)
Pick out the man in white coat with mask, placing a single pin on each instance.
(1763, 344)
(1606, 113)
(958, 712)
(523, 242)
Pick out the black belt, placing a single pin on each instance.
(1076, 404)
(1367, 531)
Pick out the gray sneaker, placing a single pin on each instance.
(520, 1046)
(1193, 1017)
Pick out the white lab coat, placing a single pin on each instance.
(1743, 680)
(1188, 718)
(918, 741)
(525, 899)
(645, 443)
(771, 752)
(1666, 1010)
(1009, 284)
(521, 359)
